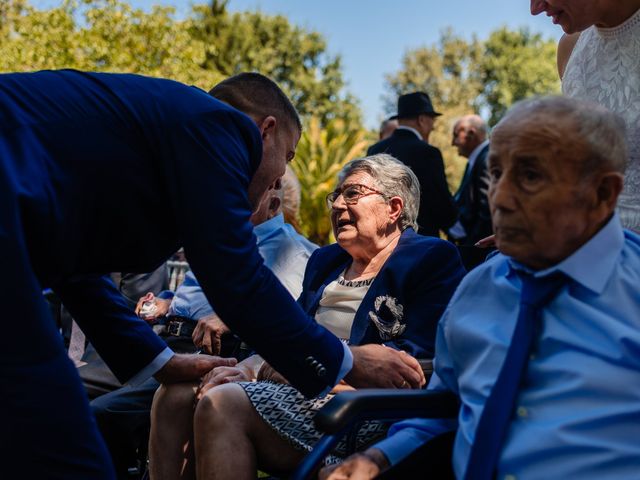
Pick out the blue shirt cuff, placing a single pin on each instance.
(406, 436)
(399, 445)
(157, 363)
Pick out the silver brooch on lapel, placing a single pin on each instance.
(387, 317)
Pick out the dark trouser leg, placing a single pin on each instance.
(123, 420)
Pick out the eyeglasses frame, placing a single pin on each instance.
(373, 191)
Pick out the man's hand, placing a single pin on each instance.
(359, 466)
(187, 367)
(377, 366)
(150, 307)
(208, 332)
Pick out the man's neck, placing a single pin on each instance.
(411, 129)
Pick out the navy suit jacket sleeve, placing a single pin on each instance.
(104, 316)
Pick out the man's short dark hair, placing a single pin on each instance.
(257, 96)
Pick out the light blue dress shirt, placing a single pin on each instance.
(578, 412)
(285, 252)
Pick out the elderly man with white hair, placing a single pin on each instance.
(541, 342)
(470, 137)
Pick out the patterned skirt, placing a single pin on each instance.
(290, 415)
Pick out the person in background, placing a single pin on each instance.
(409, 143)
(387, 127)
(470, 136)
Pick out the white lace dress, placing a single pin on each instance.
(605, 67)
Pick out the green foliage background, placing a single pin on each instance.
(462, 75)
(473, 76)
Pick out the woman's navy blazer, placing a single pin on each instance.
(407, 297)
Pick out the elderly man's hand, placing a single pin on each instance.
(208, 333)
(360, 466)
(150, 307)
(187, 367)
(377, 366)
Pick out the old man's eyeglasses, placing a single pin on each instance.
(351, 193)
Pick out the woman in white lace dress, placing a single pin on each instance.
(599, 60)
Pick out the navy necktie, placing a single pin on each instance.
(498, 410)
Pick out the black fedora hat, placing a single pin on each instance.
(414, 104)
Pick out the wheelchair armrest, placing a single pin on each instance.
(347, 407)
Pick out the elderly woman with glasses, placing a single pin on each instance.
(380, 284)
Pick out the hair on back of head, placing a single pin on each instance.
(567, 120)
(257, 96)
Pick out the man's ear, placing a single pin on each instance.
(396, 205)
(274, 206)
(267, 126)
(608, 189)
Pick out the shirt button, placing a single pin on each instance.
(510, 477)
(522, 413)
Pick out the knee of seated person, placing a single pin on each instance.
(173, 396)
(220, 403)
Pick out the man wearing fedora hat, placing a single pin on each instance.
(409, 144)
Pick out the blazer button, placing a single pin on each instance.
(309, 360)
(322, 371)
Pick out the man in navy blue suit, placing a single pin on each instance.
(179, 158)
(409, 143)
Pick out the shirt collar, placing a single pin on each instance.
(268, 226)
(593, 263)
(476, 151)
(411, 129)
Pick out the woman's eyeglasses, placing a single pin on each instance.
(351, 193)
